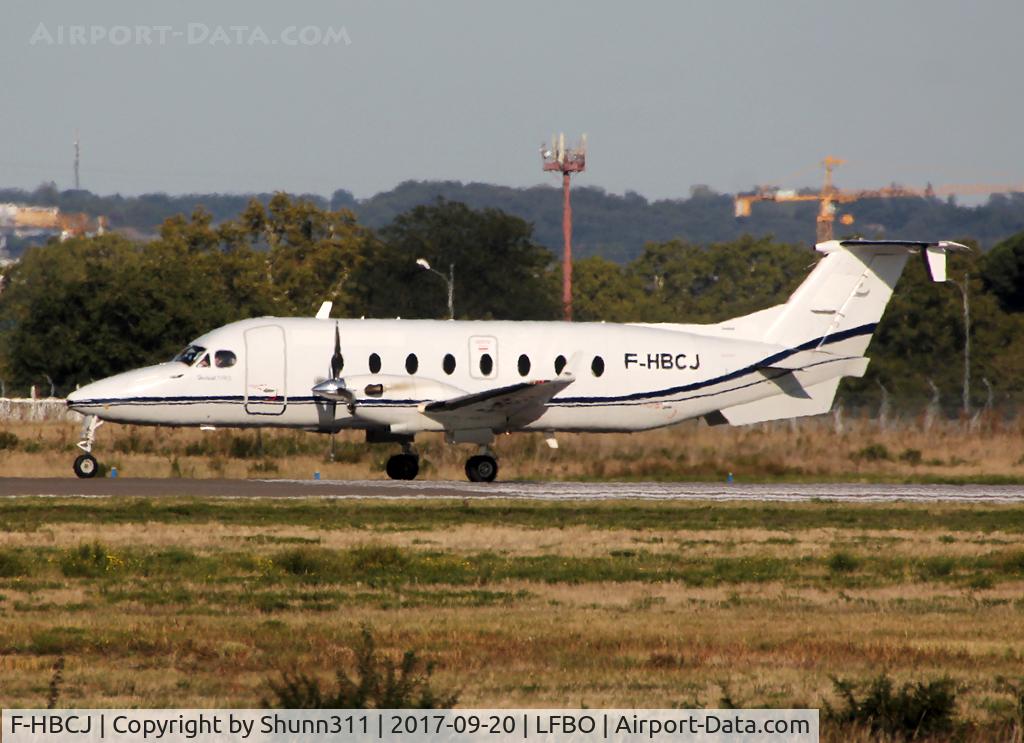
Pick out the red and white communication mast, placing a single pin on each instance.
(557, 158)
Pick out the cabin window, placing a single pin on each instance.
(486, 364)
(559, 364)
(374, 363)
(189, 355)
(411, 363)
(524, 365)
(224, 359)
(597, 366)
(448, 364)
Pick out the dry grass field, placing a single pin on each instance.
(185, 602)
(189, 602)
(989, 450)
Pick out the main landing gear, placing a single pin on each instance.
(404, 466)
(481, 468)
(85, 464)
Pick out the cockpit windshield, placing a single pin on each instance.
(189, 355)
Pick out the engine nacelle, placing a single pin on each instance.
(394, 388)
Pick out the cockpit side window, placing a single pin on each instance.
(205, 361)
(224, 359)
(190, 355)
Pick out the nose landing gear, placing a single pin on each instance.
(85, 464)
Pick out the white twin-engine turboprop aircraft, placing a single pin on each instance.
(473, 380)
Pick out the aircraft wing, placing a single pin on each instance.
(497, 409)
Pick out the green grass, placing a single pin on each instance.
(286, 577)
(29, 514)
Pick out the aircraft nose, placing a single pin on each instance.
(97, 397)
(79, 399)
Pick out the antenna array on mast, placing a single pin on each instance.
(557, 158)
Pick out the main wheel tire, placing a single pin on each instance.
(481, 468)
(86, 466)
(403, 467)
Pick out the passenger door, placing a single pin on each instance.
(266, 368)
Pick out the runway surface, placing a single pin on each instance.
(386, 489)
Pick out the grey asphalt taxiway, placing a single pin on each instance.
(387, 489)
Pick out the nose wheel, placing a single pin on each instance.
(481, 468)
(86, 466)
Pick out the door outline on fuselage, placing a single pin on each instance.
(265, 346)
(478, 346)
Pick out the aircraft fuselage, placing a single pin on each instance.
(626, 377)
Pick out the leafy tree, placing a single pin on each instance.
(921, 337)
(500, 272)
(690, 283)
(226, 255)
(1003, 273)
(88, 308)
(603, 290)
(314, 254)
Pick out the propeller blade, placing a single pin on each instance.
(337, 360)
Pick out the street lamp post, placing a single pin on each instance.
(963, 287)
(449, 280)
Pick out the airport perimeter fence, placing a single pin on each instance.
(36, 410)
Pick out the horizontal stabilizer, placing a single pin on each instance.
(934, 252)
(920, 244)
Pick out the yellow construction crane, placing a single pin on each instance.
(827, 198)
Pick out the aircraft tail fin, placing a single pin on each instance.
(843, 298)
(827, 324)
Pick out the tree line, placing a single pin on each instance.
(89, 307)
(613, 226)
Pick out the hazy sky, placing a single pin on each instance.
(671, 94)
